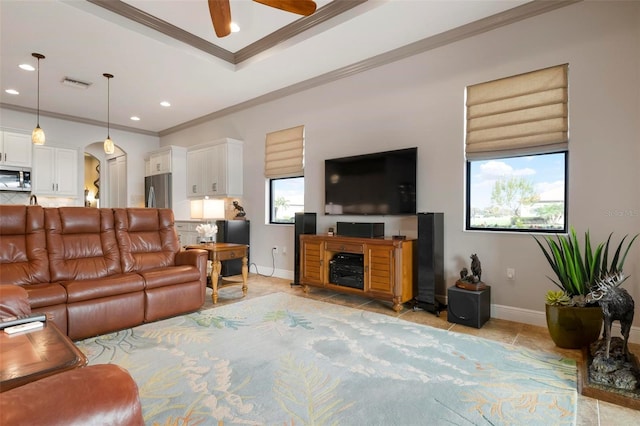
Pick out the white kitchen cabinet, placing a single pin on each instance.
(159, 162)
(55, 171)
(215, 169)
(186, 230)
(15, 149)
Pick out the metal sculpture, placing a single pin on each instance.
(616, 304)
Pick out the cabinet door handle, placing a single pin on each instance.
(53, 186)
(193, 189)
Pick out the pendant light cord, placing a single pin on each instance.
(109, 77)
(38, 97)
(108, 107)
(38, 56)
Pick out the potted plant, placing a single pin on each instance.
(573, 322)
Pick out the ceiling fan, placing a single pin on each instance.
(221, 12)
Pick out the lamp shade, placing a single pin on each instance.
(207, 209)
(212, 209)
(196, 209)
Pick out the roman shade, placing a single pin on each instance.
(284, 153)
(519, 115)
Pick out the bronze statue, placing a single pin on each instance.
(473, 280)
(476, 268)
(617, 305)
(241, 213)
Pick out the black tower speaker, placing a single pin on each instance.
(305, 224)
(431, 280)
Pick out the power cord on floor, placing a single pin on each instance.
(273, 261)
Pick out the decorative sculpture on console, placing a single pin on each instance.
(241, 213)
(472, 281)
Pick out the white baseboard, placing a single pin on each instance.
(538, 318)
(268, 271)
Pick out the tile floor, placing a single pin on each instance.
(590, 411)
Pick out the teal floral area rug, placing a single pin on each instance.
(286, 360)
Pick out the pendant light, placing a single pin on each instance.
(109, 148)
(37, 136)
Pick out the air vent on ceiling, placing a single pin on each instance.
(71, 82)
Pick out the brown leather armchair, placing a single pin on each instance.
(100, 394)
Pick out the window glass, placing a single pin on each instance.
(518, 193)
(286, 199)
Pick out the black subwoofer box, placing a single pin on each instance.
(468, 307)
(360, 229)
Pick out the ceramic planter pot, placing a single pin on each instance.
(573, 327)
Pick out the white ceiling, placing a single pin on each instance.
(82, 40)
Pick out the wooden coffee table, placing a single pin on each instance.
(32, 355)
(219, 252)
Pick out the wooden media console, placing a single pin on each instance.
(387, 265)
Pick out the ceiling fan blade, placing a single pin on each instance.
(301, 7)
(220, 17)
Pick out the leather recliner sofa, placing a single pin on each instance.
(94, 271)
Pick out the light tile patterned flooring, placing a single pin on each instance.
(590, 411)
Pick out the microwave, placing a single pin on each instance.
(15, 179)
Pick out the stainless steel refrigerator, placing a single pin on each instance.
(157, 190)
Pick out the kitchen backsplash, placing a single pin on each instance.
(7, 197)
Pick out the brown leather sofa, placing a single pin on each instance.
(95, 271)
(100, 394)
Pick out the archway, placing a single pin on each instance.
(105, 176)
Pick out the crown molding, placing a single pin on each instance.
(77, 119)
(301, 25)
(490, 23)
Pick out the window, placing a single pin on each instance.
(517, 193)
(517, 152)
(286, 199)
(284, 168)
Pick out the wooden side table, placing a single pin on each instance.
(219, 252)
(32, 355)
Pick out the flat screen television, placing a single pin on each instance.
(382, 183)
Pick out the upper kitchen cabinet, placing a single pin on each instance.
(15, 149)
(159, 162)
(215, 169)
(55, 171)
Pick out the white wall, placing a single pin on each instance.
(68, 134)
(419, 102)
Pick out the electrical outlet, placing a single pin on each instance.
(275, 249)
(284, 249)
(511, 273)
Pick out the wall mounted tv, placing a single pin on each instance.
(382, 183)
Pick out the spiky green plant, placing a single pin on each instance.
(576, 272)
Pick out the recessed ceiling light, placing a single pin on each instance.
(165, 104)
(134, 118)
(12, 91)
(234, 27)
(27, 67)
